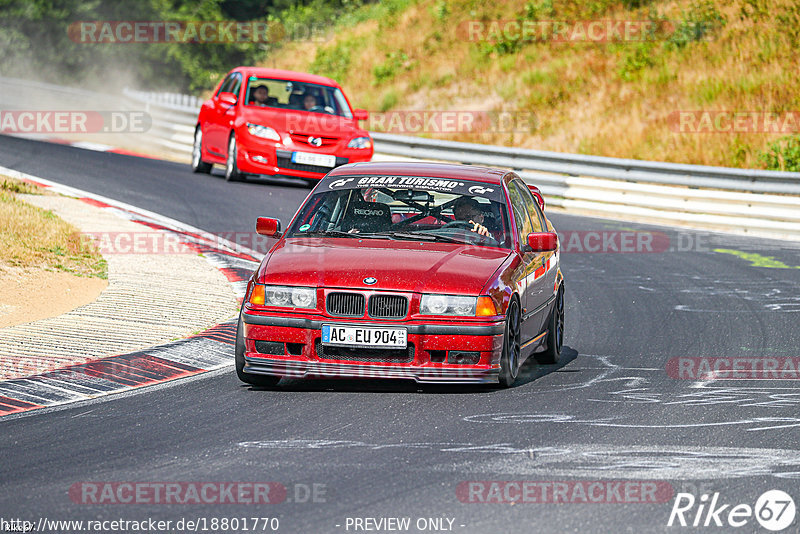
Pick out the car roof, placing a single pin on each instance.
(427, 169)
(281, 74)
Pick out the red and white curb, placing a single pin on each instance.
(207, 351)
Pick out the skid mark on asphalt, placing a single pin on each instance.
(733, 295)
(316, 444)
(694, 292)
(642, 462)
(574, 460)
(770, 407)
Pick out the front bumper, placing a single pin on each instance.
(426, 338)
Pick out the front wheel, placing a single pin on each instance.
(509, 362)
(555, 332)
(232, 173)
(247, 378)
(198, 165)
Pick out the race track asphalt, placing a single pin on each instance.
(609, 412)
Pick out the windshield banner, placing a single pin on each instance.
(446, 185)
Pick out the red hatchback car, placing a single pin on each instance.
(268, 121)
(424, 271)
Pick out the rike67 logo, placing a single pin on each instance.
(774, 510)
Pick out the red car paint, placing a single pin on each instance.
(226, 115)
(407, 269)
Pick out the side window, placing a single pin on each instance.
(531, 206)
(236, 84)
(521, 217)
(225, 87)
(540, 215)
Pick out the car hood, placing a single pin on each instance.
(287, 120)
(397, 265)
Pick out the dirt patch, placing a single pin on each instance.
(30, 294)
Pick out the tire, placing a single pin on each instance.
(247, 378)
(555, 332)
(232, 173)
(509, 361)
(198, 165)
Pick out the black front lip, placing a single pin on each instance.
(308, 369)
(417, 329)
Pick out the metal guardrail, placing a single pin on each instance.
(603, 167)
(744, 201)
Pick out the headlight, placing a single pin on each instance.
(360, 142)
(447, 305)
(263, 131)
(284, 296)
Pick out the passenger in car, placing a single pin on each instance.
(309, 101)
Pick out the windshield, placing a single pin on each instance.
(299, 96)
(407, 213)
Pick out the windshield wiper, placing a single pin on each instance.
(324, 233)
(424, 236)
(333, 233)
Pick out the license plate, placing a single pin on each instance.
(363, 336)
(309, 158)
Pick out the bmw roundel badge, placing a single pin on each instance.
(370, 280)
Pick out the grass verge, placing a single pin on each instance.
(33, 238)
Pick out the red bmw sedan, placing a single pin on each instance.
(277, 122)
(422, 271)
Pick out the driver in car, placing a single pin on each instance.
(469, 210)
(261, 96)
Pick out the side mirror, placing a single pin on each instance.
(543, 241)
(227, 98)
(269, 227)
(537, 195)
(360, 114)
